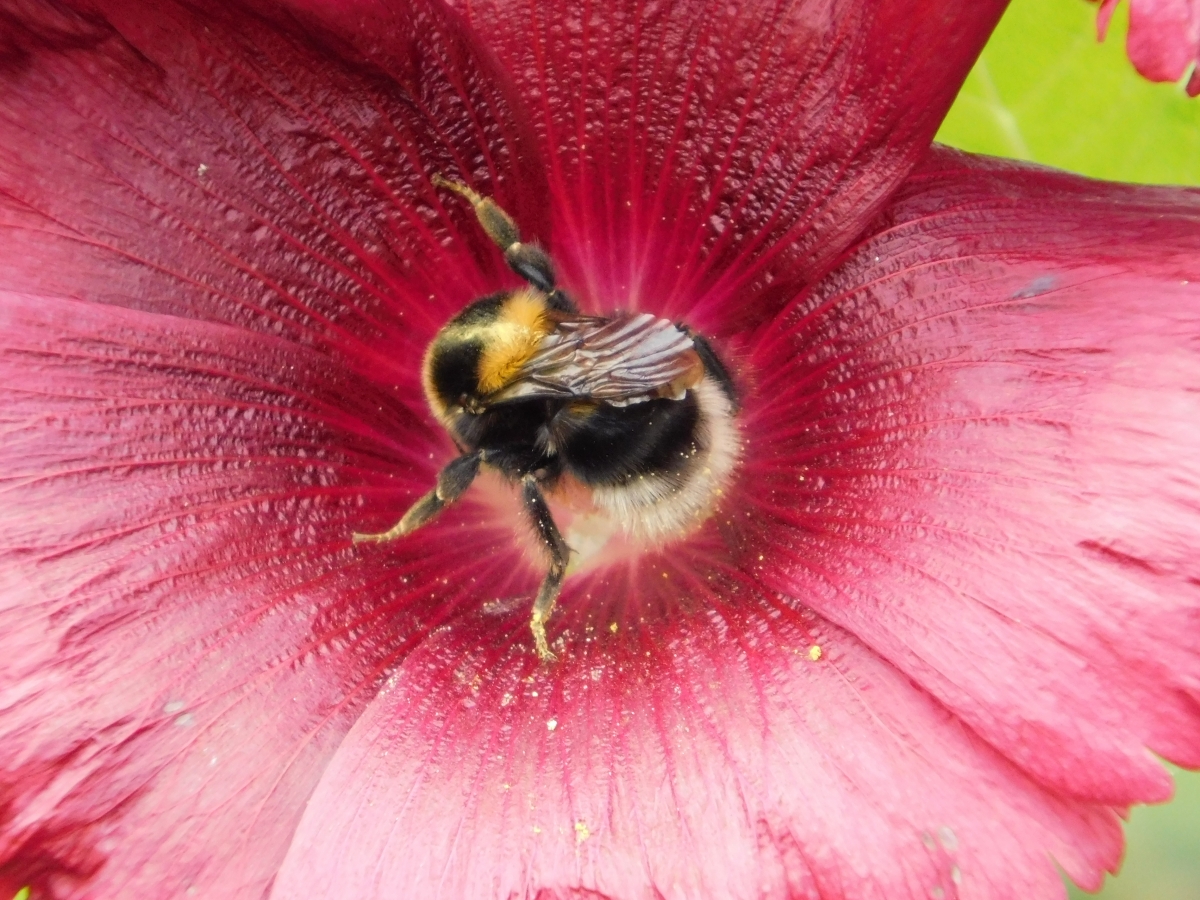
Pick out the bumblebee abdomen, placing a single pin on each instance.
(510, 435)
(678, 468)
(612, 445)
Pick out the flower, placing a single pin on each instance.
(925, 648)
(1164, 38)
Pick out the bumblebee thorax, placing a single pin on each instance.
(483, 348)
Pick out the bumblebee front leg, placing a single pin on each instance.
(529, 261)
(452, 481)
(543, 605)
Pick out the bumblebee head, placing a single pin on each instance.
(483, 349)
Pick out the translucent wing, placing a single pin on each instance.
(619, 361)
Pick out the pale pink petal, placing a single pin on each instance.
(1164, 37)
(1104, 17)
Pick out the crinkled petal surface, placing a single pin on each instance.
(701, 153)
(222, 260)
(1164, 37)
(219, 246)
(971, 481)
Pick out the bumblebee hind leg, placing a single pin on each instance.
(452, 482)
(560, 553)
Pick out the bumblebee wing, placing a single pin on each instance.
(619, 361)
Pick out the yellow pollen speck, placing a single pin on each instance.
(613, 627)
(536, 830)
(814, 652)
(582, 832)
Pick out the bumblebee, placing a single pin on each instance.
(637, 410)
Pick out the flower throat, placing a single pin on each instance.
(634, 412)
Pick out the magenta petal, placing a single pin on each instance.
(205, 164)
(701, 149)
(926, 649)
(185, 632)
(171, 684)
(220, 250)
(995, 423)
(927, 644)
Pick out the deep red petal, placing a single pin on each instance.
(706, 160)
(221, 257)
(208, 165)
(995, 422)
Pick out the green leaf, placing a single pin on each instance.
(1045, 90)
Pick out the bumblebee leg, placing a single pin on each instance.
(452, 481)
(543, 605)
(529, 261)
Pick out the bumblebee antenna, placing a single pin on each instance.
(529, 261)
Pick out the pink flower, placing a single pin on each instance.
(948, 609)
(1164, 38)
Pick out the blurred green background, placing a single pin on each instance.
(1045, 90)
